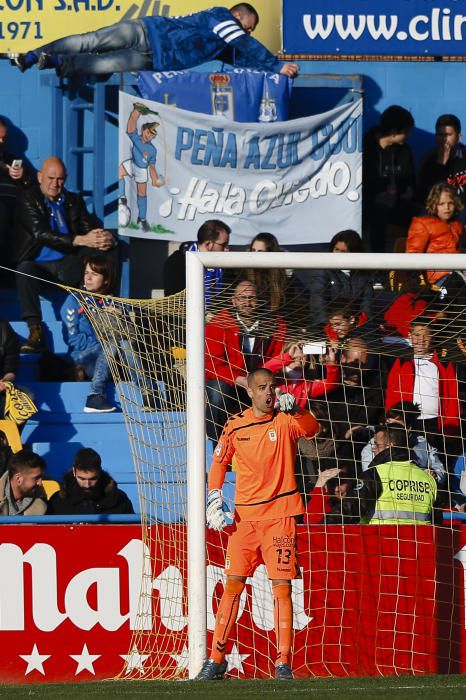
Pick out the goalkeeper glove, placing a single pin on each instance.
(216, 511)
(142, 109)
(285, 402)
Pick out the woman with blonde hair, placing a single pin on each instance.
(441, 230)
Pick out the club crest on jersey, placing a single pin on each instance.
(218, 449)
(272, 436)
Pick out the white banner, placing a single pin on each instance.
(300, 180)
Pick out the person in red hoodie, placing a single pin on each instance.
(238, 340)
(333, 500)
(441, 230)
(295, 369)
(428, 382)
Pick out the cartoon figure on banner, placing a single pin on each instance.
(140, 166)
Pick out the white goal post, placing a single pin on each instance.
(196, 453)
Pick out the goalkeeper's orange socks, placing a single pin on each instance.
(283, 620)
(226, 618)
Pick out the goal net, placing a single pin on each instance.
(372, 599)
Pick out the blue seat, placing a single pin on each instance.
(50, 304)
(116, 456)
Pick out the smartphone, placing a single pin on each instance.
(315, 348)
(17, 163)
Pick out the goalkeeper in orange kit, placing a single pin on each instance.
(264, 441)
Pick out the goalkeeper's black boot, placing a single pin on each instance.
(211, 671)
(283, 673)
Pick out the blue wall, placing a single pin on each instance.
(426, 89)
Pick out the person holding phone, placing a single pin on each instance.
(13, 175)
(296, 371)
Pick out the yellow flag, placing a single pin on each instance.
(18, 405)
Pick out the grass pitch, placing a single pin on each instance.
(427, 687)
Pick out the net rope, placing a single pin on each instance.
(145, 345)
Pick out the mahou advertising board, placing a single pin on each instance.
(372, 600)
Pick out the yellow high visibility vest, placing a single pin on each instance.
(408, 495)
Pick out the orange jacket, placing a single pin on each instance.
(429, 234)
(265, 450)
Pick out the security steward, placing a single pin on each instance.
(395, 490)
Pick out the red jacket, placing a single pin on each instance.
(318, 506)
(403, 311)
(303, 389)
(400, 387)
(429, 234)
(224, 359)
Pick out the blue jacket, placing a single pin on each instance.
(182, 42)
(79, 334)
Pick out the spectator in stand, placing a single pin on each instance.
(21, 491)
(89, 490)
(54, 231)
(238, 340)
(354, 286)
(440, 231)
(404, 414)
(343, 322)
(431, 384)
(333, 500)
(281, 290)
(447, 161)
(458, 484)
(13, 177)
(295, 373)
(355, 404)
(388, 177)
(448, 308)
(212, 237)
(395, 490)
(319, 454)
(161, 43)
(85, 348)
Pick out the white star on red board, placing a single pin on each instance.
(35, 661)
(85, 660)
(182, 659)
(134, 660)
(235, 659)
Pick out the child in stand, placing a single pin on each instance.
(333, 500)
(86, 350)
(441, 230)
(296, 374)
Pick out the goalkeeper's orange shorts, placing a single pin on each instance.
(269, 542)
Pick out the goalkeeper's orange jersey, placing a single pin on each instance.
(265, 451)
